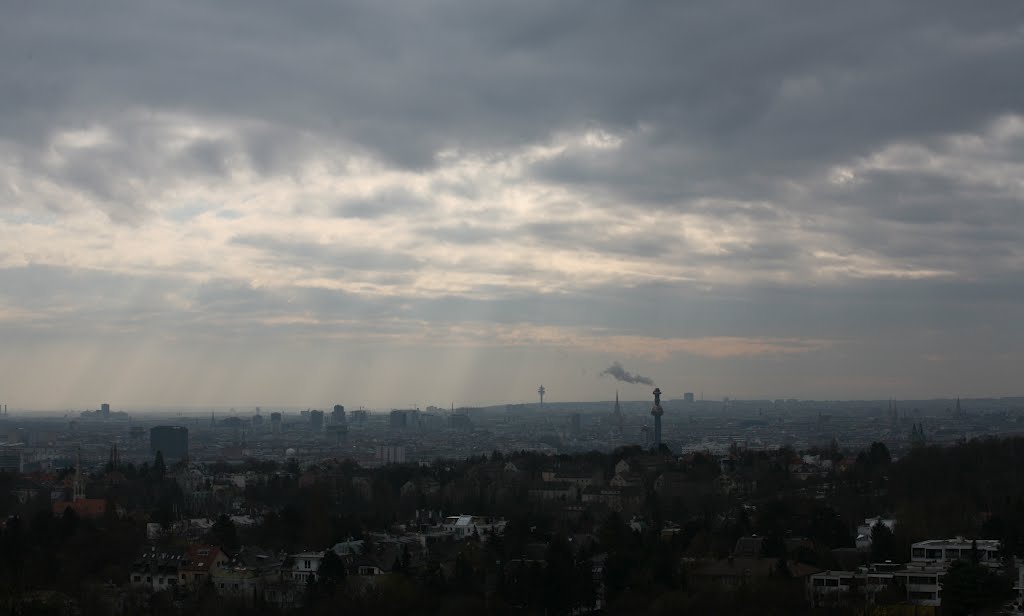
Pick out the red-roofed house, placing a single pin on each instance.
(199, 560)
(84, 507)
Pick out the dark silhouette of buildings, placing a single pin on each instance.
(172, 441)
(398, 420)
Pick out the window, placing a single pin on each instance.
(136, 578)
(307, 564)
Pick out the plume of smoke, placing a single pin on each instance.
(616, 370)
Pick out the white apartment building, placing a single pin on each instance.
(923, 582)
(463, 526)
(945, 551)
(837, 587)
(305, 566)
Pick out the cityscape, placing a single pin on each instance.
(41, 442)
(420, 495)
(482, 308)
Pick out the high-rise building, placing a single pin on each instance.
(11, 459)
(275, 423)
(339, 431)
(391, 454)
(338, 414)
(172, 441)
(105, 410)
(316, 420)
(398, 420)
(688, 397)
(460, 421)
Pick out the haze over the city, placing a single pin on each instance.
(388, 204)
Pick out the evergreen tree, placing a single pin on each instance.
(225, 534)
(883, 544)
(159, 467)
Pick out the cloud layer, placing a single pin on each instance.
(777, 199)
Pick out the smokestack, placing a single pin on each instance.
(657, 412)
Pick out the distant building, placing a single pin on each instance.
(275, 423)
(338, 414)
(465, 526)
(359, 417)
(171, 440)
(105, 410)
(688, 397)
(460, 421)
(391, 454)
(316, 420)
(339, 431)
(398, 420)
(945, 551)
(11, 460)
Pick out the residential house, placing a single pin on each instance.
(304, 567)
(248, 574)
(156, 570)
(198, 561)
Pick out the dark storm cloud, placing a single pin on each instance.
(702, 139)
(775, 83)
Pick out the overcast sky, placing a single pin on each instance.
(396, 203)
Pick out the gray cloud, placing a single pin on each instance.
(381, 204)
(619, 373)
(730, 125)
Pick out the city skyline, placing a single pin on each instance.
(405, 203)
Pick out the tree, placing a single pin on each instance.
(879, 454)
(560, 589)
(159, 466)
(883, 544)
(331, 575)
(225, 533)
(968, 587)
